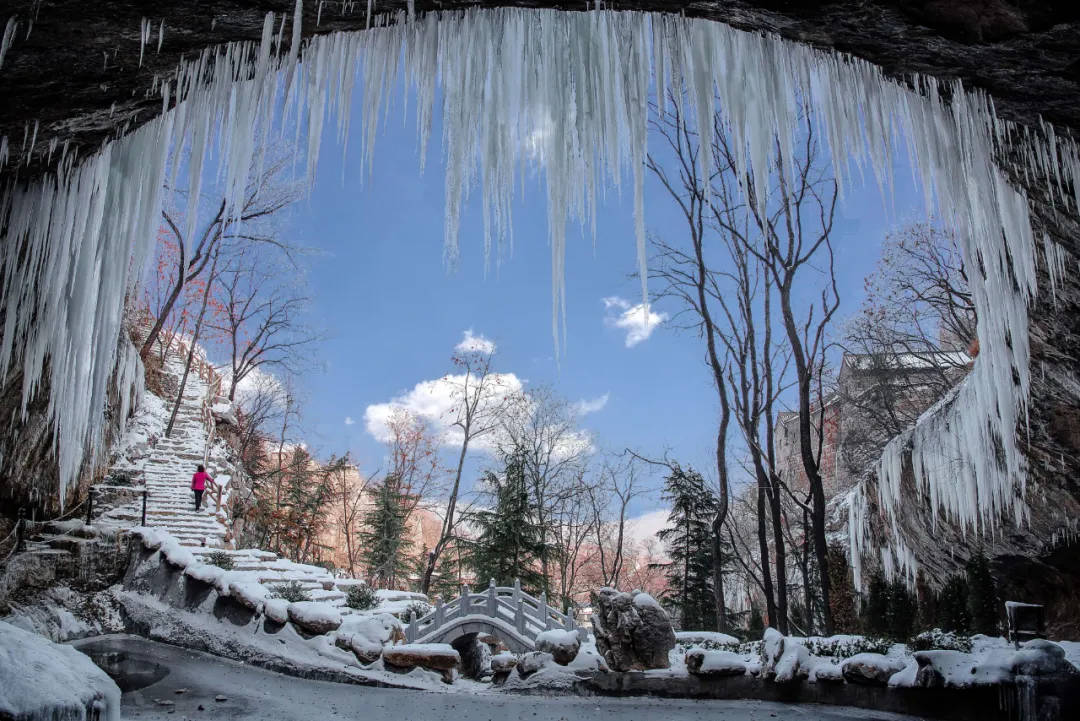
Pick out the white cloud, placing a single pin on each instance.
(256, 383)
(641, 530)
(474, 344)
(639, 321)
(436, 401)
(349, 420)
(591, 405)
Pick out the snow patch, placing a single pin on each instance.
(45, 680)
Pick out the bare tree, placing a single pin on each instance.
(266, 193)
(194, 340)
(572, 523)
(736, 279)
(478, 396)
(609, 500)
(349, 488)
(795, 230)
(261, 317)
(542, 429)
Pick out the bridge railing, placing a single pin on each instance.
(507, 605)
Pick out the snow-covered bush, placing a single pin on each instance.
(936, 639)
(361, 597)
(291, 591)
(841, 647)
(742, 648)
(417, 609)
(220, 559)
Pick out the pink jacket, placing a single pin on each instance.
(198, 481)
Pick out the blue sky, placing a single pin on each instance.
(394, 311)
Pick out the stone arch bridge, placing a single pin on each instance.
(507, 612)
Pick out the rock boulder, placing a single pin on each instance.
(562, 645)
(440, 657)
(871, 669)
(632, 631)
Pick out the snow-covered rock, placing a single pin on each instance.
(314, 617)
(943, 668)
(251, 595)
(824, 671)
(712, 663)
(793, 664)
(532, 662)
(503, 663)
(367, 635)
(276, 609)
(44, 680)
(224, 412)
(204, 573)
(772, 645)
(563, 645)
(440, 657)
(176, 554)
(871, 669)
(633, 632)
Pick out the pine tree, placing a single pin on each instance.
(903, 610)
(841, 593)
(756, 624)
(508, 541)
(689, 545)
(383, 539)
(982, 596)
(953, 613)
(876, 607)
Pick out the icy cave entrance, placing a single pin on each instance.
(74, 238)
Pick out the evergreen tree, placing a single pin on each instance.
(953, 614)
(689, 545)
(841, 592)
(508, 540)
(383, 539)
(903, 610)
(876, 607)
(756, 625)
(982, 596)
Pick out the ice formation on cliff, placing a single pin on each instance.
(568, 91)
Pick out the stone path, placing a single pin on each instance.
(165, 472)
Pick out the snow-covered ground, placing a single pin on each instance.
(43, 680)
(247, 692)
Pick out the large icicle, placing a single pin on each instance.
(568, 92)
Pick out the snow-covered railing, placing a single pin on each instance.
(508, 606)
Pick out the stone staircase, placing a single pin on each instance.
(165, 468)
(252, 565)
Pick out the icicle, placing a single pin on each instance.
(160, 34)
(565, 92)
(144, 38)
(9, 34)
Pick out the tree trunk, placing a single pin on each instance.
(780, 554)
(806, 449)
(191, 348)
(763, 551)
(159, 322)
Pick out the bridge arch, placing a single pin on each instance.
(506, 612)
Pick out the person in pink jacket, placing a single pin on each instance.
(198, 484)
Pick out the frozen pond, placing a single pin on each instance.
(151, 673)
